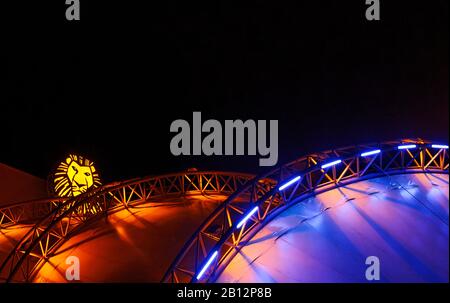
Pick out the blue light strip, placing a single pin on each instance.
(211, 259)
(254, 210)
(408, 146)
(370, 153)
(439, 146)
(289, 183)
(331, 163)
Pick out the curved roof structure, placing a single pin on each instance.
(132, 245)
(402, 220)
(295, 182)
(36, 234)
(315, 219)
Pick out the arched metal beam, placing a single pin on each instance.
(28, 211)
(52, 230)
(227, 229)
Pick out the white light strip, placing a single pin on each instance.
(409, 146)
(331, 164)
(370, 153)
(289, 183)
(200, 274)
(254, 210)
(439, 146)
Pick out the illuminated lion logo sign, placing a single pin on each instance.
(75, 176)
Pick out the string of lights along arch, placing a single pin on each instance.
(251, 203)
(296, 181)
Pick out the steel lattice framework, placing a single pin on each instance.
(246, 211)
(27, 212)
(58, 219)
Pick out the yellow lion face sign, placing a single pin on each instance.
(75, 176)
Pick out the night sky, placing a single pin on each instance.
(109, 86)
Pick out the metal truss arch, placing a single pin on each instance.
(57, 219)
(27, 212)
(234, 222)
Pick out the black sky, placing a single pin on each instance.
(110, 85)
